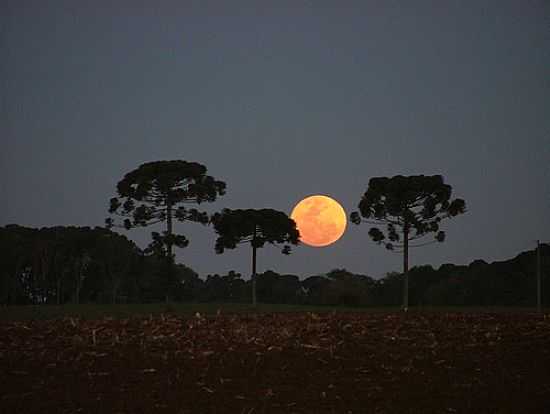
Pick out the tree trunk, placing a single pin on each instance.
(77, 292)
(58, 290)
(169, 228)
(254, 269)
(58, 279)
(12, 295)
(45, 270)
(114, 291)
(169, 246)
(406, 267)
(78, 286)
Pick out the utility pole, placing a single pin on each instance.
(539, 302)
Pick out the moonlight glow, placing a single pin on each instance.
(320, 220)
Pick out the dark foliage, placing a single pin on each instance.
(413, 205)
(60, 265)
(158, 192)
(256, 227)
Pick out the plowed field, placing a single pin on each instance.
(416, 362)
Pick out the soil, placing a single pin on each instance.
(416, 362)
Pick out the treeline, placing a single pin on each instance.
(59, 265)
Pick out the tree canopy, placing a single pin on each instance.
(157, 191)
(414, 204)
(254, 226)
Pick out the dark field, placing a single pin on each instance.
(291, 362)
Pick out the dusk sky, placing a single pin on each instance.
(282, 100)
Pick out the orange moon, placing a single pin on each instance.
(320, 220)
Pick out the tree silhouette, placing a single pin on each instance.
(118, 255)
(256, 227)
(157, 191)
(410, 207)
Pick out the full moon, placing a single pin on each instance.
(320, 220)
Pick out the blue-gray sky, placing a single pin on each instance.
(282, 100)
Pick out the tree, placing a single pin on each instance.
(16, 243)
(410, 207)
(350, 289)
(72, 258)
(190, 285)
(275, 288)
(226, 288)
(315, 290)
(256, 227)
(117, 254)
(157, 192)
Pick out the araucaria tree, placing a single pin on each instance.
(256, 227)
(159, 192)
(406, 208)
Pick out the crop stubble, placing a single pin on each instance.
(418, 362)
